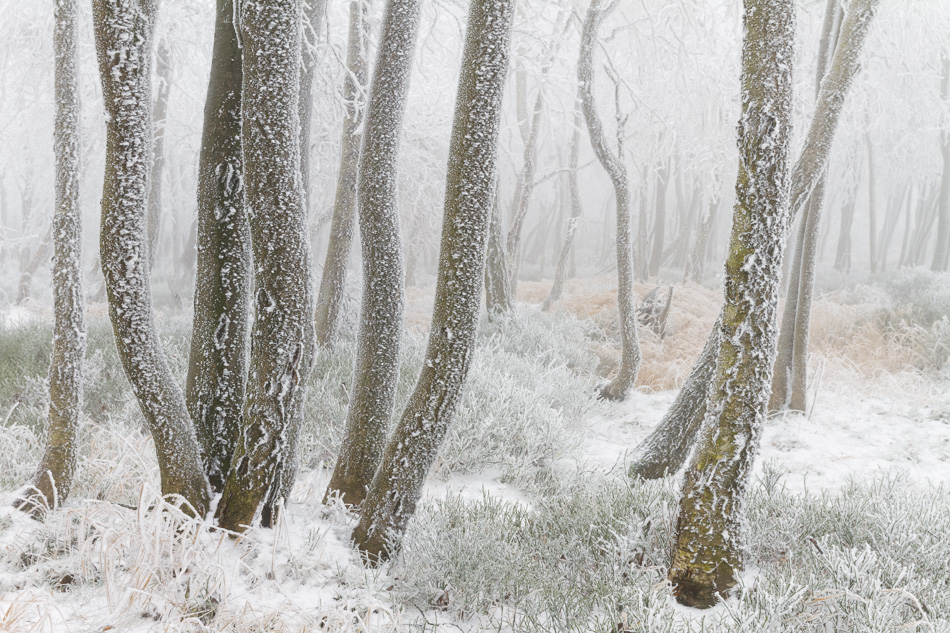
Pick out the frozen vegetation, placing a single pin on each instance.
(528, 521)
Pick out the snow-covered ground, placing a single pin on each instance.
(529, 522)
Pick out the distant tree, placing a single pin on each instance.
(707, 555)
(498, 299)
(263, 465)
(313, 14)
(163, 85)
(123, 30)
(52, 481)
(381, 314)
(217, 368)
(613, 163)
(344, 207)
(470, 182)
(941, 259)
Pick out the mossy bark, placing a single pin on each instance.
(626, 376)
(217, 368)
(707, 554)
(124, 30)
(344, 207)
(381, 314)
(52, 481)
(263, 466)
(470, 183)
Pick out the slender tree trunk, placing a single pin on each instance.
(707, 553)
(263, 465)
(217, 369)
(51, 483)
(163, 84)
(659, 223)
(641, 252)
(523, 192)
(843, 252)
(313, 12)
(344, 207)
(123, 31)
(621, 384)
(471, 178)
(941, 259)
(577, 208)
(872, 205)
(381, 315)
(40, 256)
(696, 262)
(497, 282)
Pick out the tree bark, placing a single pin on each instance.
(707, 555)
(470, 183)
(263, 465)
(217, 370)
(621, 384)
(123, 30)
(333, 281)
(163, 85)
(381, 315)
(52, 481)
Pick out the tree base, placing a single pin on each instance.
(699, 592)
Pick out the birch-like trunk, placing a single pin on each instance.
(381, 314)
(621, 384)
(469, 196)
(217, 369)
(50, 485)
(263, 465)
(124, 30)
(333, 280)
(707, 551)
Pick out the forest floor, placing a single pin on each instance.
(529, 522)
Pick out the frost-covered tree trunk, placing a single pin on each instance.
(790, 377)
(707, 554)
(574, 190)
(40, 256)
(696, 262)
(313, 12)
(497, 283)
(470, 183)
(163, 85)
(381, 313)
(50, 485)
(217, 368)
(263, 466)
(123, 30)
(680, 421)
(659, 221)
(344, 206)
(941, 259)
(523, 191)
(872, 205)
(629, 340)
(843, 251)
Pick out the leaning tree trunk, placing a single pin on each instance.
(377, 359)
(626, 376)
(941, 257)
(217, 368)
(497, 283)
(164, 85)
(50, 484)
(263, 465)
(344, 208)
(707, 554)
(469, 196)
(123, 31)
(680, 420)
(560, 273)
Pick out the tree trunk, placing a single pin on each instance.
(872, 204)
(50, 484)
(941, 257)
(523, 192)
(264, 460)
(497, 283)
(471, 178)
(843, 252)
(313, 12)
(344, 207)
(40, 256)
(381, 315)
(217, 369)
(707, 555)
(659, 222)
(696, 262)
(123, 31)
(621, 384)
(163, 84)
(560, 273)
